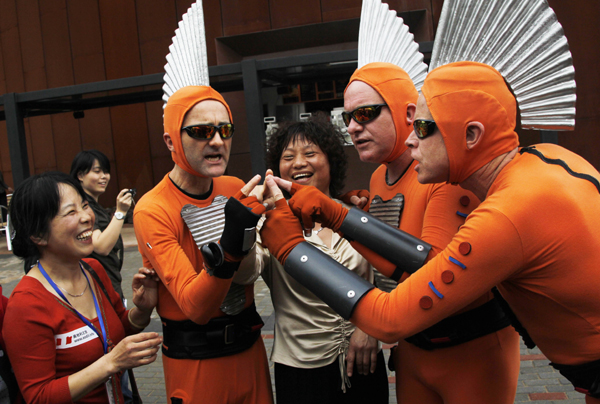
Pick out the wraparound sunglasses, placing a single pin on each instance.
(363, 114)
(424, 127)
(207, 131)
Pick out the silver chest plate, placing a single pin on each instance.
(388, 212)
(206, 225)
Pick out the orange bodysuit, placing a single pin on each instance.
(486, 368)
(536, 236)
(189, 292)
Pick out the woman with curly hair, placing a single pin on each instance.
(319, 357)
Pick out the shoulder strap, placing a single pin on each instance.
(137, 399)
(587, 177)
(89, 268)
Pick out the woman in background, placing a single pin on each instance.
(92, 169)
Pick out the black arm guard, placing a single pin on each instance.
(239, 233)
(340, 288)
(214, 261)
(407, 252)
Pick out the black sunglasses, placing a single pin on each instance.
(363, 114)
(207, 131)
(424, 127)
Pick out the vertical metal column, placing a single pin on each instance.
(17, 144)
(254, 116)
(549, 136)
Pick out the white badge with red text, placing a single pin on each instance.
(74, 338)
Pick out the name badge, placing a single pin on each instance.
(74, 338)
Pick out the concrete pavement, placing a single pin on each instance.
(538, 382)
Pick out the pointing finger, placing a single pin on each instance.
(275, 191)
(283, 184)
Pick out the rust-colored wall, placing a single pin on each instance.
(579, 19)
(54, 43)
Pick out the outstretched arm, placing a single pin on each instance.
(403, 250)
(450, 281)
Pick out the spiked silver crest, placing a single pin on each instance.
(187, 63)
(524, 41)
(383, 37)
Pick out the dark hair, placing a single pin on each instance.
(84, 161)
(317, 130)
(35, 202)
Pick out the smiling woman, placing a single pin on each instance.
(92, 169)
(76, 326)
(319, 357)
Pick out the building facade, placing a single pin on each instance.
(47, 44)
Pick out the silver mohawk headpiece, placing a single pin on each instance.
(383, 37)
(187, 63)
(524, 41)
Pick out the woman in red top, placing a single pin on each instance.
(66, 328)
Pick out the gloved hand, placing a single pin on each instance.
(358, 198)
(311, 205)
(282, 231)
(242, 212)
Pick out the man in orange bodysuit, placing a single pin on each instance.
(208, 356)
(464, 350)
(535, 235)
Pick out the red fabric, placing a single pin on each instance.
(536, 236)
(177, 106)
(397, 89)
(312, 205)
(3, 303)
(281, 232)
(462, 92)
(36, 317)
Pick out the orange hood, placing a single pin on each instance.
(397, 90)
(462, 92)
(177, 106)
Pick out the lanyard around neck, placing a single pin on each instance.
(102, 337)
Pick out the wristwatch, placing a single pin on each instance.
(119, 215)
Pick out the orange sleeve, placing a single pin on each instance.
(379, 263)
(443, 286)
(198, 295)
(444, 214)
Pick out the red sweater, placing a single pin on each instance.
(47, 341)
